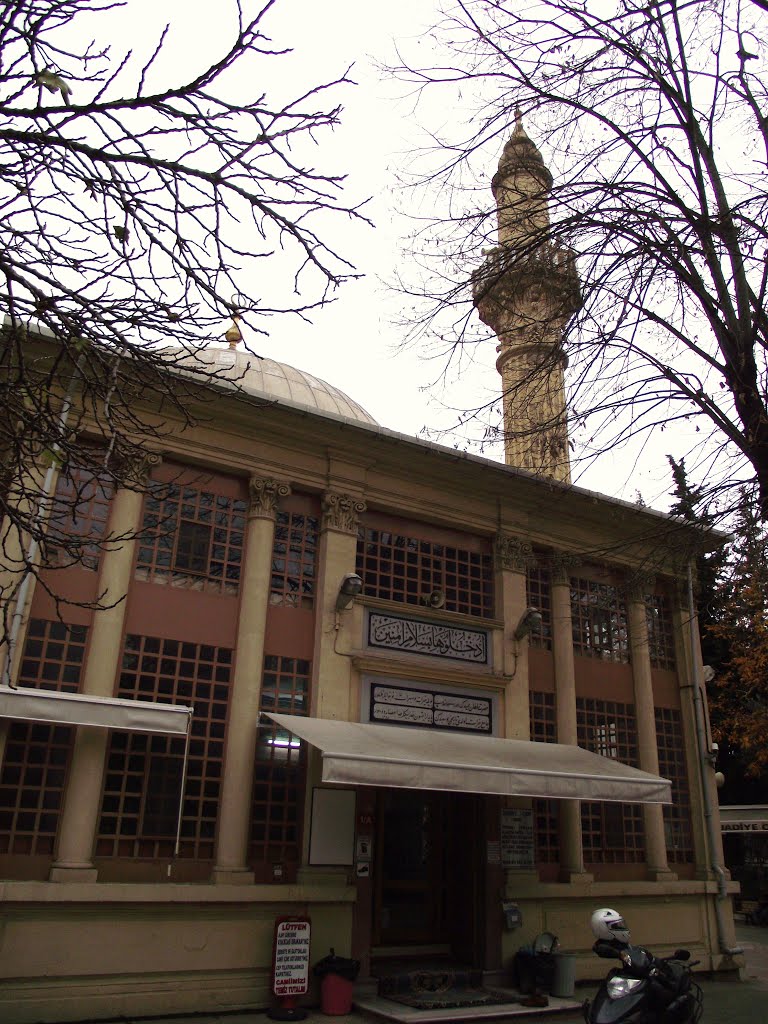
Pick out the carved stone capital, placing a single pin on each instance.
(341, 512)
(639, 584)
(511, 553)
(136, 466)
(563, 564)
(264, 494)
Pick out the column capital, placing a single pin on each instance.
(639, 584)
(341, 512)
(562, 565)
(136, 466)
(265, 493)
(512, 553)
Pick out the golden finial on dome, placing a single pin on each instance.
(233, 334)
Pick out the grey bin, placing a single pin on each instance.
(564, 977)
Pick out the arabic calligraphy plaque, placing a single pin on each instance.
(393, 632)
(431, 708)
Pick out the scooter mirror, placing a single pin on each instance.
(682, 954)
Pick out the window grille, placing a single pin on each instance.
(395, 567)
(661, 640)
(599, 617)
(294, 560)
(612, 833)
(143, 776)
(677, 815)
(280, 766)
(545, 812)
(192, 538)
(78, 517)
(539, 595)
(37, 755)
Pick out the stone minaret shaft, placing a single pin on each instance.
(526, 291)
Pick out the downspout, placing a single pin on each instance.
(706, 779)
(41, 514)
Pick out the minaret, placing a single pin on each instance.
(526, 291)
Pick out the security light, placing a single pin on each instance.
(530, 621)
(351, 586)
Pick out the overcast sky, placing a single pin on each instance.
(353, 343)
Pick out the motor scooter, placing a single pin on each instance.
(645, 989)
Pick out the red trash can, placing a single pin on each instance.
(336, 974)
(335, 995)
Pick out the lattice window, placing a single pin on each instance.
(611, 833)
(538, 588)
(192, 538)
(599, 616)
(37, 756)
(280, 765)
(78, 517)
(661, 640)
(677, 815)
(399, 568)
(545, 812)
(294, 559)
(143, 777)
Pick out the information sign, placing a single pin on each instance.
(290, 967)
(517, 838)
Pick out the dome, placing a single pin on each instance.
(267, 378)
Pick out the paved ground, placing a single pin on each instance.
(725, 1002)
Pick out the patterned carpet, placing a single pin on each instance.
(445, 989)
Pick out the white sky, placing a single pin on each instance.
(352, 343)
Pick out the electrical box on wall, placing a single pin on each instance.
(513, 917)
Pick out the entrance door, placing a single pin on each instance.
(427, 871)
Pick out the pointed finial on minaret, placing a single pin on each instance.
(518, 119)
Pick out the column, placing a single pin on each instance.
(647, 745)
(512, 557)
(332, 670)
(245, 700)
(332, 697)
(82, 800)
(689, 664)
(571, 852)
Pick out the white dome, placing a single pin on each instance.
(270, 379)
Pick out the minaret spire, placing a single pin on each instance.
(526, 291)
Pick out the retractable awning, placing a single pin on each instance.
(28, 705)
(387, 755)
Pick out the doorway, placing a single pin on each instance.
(428, 884)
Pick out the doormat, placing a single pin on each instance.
(452, 998)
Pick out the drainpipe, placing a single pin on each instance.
(707, 783)
(41, 514)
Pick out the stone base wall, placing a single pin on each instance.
(87, 951)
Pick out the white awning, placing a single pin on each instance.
(28, 705)
(364, 754)
(746, 818)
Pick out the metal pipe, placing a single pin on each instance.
(707, 783)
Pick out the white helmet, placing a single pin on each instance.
(609, 925)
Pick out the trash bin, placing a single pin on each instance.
(533, 972)
(336, 974)
(564, 975)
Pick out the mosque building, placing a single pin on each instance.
(440, 704)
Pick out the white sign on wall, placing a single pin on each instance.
(517, 849)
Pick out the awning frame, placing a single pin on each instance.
(82, 710)
(375, 754)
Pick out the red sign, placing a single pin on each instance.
(290, 958)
